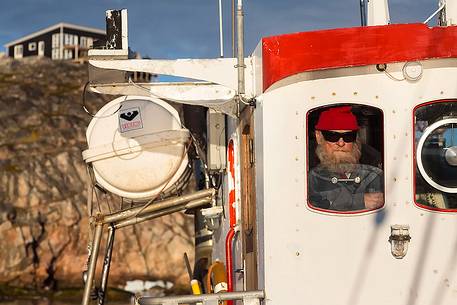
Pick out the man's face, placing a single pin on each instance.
(334, 147)
(338, 151)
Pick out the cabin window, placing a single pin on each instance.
(32, 46)
(345, 158)
(56, 40)
(90, 42)
(18, 51)
(67, 54)
(86, 42)
(435, 134)
(41, 48)
(55, 54)
(67, 39)
(83, 42)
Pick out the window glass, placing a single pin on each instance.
(83, 42)
(435, 128)
(345, 164)
(90, 42)
(18, 51)
(55, 53)
(32, 46)
(56, 40)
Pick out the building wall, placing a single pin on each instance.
(47, 38)
(44, 37)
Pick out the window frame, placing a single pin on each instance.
(32, 46)
(416, 172)
(329, 212)
(19, 51)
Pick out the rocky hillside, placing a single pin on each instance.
(43, 221)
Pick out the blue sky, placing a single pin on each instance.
(189, 28)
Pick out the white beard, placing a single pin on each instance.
(339, 161)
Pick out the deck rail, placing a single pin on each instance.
(248, 298)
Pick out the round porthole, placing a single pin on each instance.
(437, 155)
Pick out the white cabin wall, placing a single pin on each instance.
(285, 247)
(451, 12)
(232, 132)
(257, 76)
(259, 185)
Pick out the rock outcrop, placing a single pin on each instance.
(43, 217)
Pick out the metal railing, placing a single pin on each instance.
(248, 298)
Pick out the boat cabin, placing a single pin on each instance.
(333, 164)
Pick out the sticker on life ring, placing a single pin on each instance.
(130, 119)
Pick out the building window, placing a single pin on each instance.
(41, 48)
(90, 42)
(56, 40)
(83, 42)
(345, 164)
(67, 54)
(32, 46)
(55, 53)
(18, 51)
(435, 130)
(67, 39)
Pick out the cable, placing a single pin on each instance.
(87, 111)
(393, 77)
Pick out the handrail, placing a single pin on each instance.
(251, 297)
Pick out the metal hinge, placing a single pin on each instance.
(251, 152)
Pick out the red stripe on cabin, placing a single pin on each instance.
(289, 54)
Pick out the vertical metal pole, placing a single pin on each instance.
(363, 13)
(221, 36)
(106, 265)
(233, 28)
(240, 46)
(92, 263)
(61, 43)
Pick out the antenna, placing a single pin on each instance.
(221, 37)
(363, 13)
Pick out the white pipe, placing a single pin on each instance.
(378, 12)
(221, 36)
(240, 47)
(434, 14)
(233, 28)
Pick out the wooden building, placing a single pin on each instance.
(60, 41)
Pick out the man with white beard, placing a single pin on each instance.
(340, 182)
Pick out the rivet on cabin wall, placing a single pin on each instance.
(393, 111)
(297, 253)
(395, 179)
(355, 93)
(296, 137)
(333, 93)
(312, 97)
(376, 97)
(296, 158)
(296, 112)
(441, 92)
(394, 136)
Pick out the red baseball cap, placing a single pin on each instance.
(337, 118)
